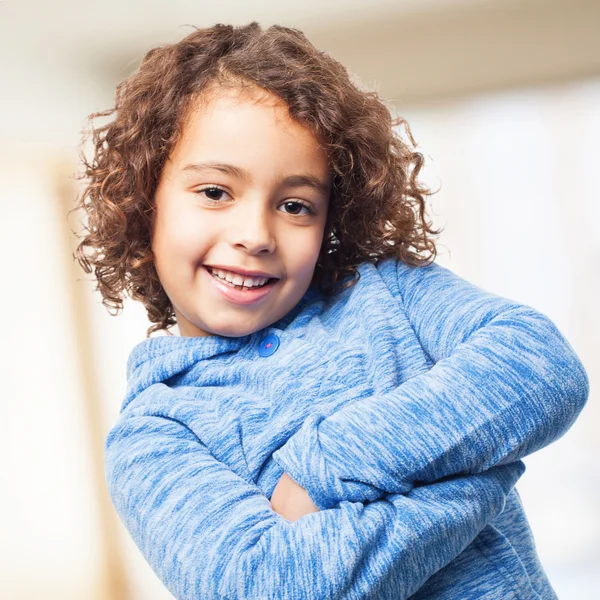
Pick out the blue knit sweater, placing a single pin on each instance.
(402, 405)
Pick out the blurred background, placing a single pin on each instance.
(503, 98)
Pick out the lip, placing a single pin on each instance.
(240, 296)
(243, 271)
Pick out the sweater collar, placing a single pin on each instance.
(157, 359)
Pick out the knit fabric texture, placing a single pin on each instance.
(403, 405)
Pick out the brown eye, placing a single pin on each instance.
(213, 193)
(298, 206)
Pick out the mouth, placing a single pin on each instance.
(257, 282)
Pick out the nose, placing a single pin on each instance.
(253, 231)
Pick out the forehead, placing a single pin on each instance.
(225, 124)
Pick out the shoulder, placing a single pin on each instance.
(399, 277)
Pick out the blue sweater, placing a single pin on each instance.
(403, 406)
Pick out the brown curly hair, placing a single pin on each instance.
(377, 204)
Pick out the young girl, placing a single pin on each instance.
(340, 417)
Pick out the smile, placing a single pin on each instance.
(241, 294)
(238, 281)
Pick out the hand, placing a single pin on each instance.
(291, 500)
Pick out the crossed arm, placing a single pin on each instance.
(208, 532)
(504, 384)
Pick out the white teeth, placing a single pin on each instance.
(237, 279)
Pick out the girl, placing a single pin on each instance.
(340, 417)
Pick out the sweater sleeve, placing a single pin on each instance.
(504, 383)
(209, 533)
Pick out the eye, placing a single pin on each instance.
(211, 189)
(295, 204)
(213, 194)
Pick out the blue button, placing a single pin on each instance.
(269, 345)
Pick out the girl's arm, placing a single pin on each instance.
(208, 533)
(504, 383)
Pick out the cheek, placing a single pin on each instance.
(180, 233)
(302, 256)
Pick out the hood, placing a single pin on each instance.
(157, 359)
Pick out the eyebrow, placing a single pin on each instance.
(298, 180)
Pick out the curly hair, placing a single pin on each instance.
(377, 205)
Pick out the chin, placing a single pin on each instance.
(230, 330)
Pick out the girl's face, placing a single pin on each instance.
(246, 188)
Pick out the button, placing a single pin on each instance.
(269, 345)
